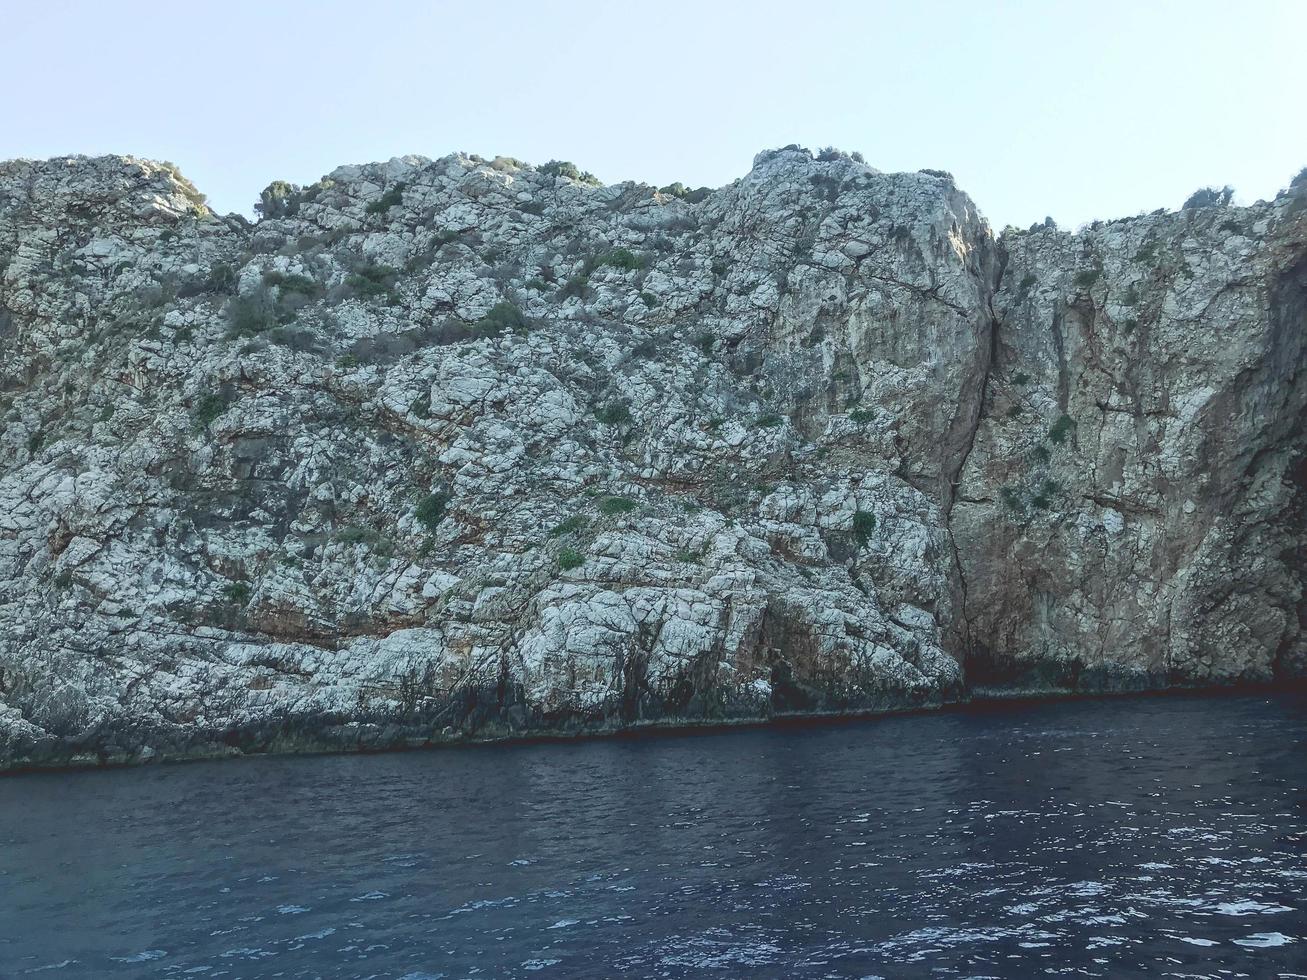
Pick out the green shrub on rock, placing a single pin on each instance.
(1209, 197)
(208, 409)
(1062, 428)
(614, 413)
(238, 592)
(222, 278)
(864, 523)
(568, 526)
(617, 505)
(392, 197)
(373, 540)
(278, 200)
(624, 259)
(370, 280)
(431, 510)
(502, 316)
(1088, 277)
(251, 314)
(290, 282)
(565, 168)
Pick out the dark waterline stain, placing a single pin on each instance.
(1142, 836)
(996, 699)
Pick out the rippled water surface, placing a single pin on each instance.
(1153, 836)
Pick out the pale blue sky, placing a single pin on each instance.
(1074, 109)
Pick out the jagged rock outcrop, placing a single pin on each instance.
(466, 448)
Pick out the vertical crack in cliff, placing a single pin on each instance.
(1288, 309)
(971, 415)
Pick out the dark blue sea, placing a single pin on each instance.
(1152, 836)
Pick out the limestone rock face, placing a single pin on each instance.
(1132, 510)
(454, 449)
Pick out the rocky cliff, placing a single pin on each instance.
(464, 448)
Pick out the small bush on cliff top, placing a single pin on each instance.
(1209, 197)
(278, 200)
(570, 558)
(565, 168)
(198, 201)
(685, 194)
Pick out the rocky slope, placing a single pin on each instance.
(463, 448)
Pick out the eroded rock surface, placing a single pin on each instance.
(463, 448)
